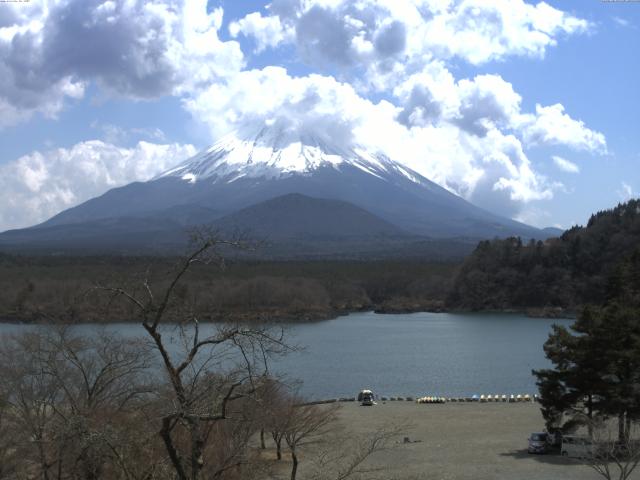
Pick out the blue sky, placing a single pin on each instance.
(91, 103)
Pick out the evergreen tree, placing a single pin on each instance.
(597, 364)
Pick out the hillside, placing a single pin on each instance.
(295, 215)
(561, 273)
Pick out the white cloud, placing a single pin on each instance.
(469, 135)
(267, 31)
(623, 22)
(484, 30)
(137, 49)
(565, 165)
(552, 126)
(535, 216)
(626, 192)
(41, 184)
(463, 148)
(388, 36)
(114, 134)
(485, 102)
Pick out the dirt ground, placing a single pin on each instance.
(460, 441)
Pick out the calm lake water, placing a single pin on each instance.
(438, 354)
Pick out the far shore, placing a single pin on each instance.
(276, 317)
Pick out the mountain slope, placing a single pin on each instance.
(299, 216)
(362, 192)
(119, 234)
(291, 226)
(255, 165)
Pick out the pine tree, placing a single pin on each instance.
(597, 363)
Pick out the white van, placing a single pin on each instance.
(575, 446)
(366, 398)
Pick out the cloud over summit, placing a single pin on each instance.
(383, 78)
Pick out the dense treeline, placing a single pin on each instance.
(60, 288)
(562, 273)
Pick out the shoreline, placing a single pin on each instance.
(312, 317)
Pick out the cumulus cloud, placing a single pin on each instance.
(486, 102)
(469, 134)
(565, 165)
(267, 31)
(484, 30)
(463, 148)
(386, 36)
(41, 184)
(552, 126)
(313, 103)
(137, 49)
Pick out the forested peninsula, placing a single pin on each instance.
(560, 275)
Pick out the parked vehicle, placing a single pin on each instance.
(576, 446)
(366, 398)
(539, 443)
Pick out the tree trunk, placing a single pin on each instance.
(43, 461)
(277, 438)
(590, 414)
(165, 434)
(197, 448)
(621, 425)
(262, 444)
(294, 464)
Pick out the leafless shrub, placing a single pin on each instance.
(612, 457)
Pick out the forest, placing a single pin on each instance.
(62, 289)
(559, 275)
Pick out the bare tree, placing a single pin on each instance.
(69, 398)
(306, 425)
(349, 460)
(610, 457)
(275, 405)
(8, 460)
(30, 397)
(210, 372)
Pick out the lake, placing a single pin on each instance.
(441, 354)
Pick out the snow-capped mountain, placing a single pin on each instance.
(234, 181)
(272, 153)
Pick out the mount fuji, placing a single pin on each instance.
(299, 189)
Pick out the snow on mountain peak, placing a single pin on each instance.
(273, 151)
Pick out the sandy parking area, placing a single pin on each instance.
(462, 441)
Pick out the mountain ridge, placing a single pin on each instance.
(239, 172)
